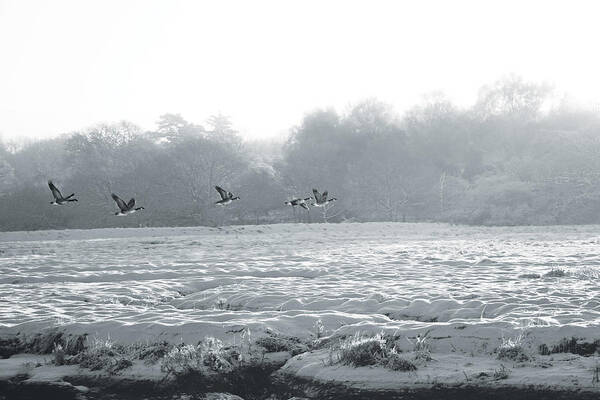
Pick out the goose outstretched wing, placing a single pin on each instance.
(317, 195)
(131, 203)
(222, 192)
(119, 202)
(55, 192)
(324, 197)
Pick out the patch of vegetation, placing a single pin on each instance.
(363, 350)
(556, 273)
(422, 347)
(501, 373)
(572, 345)
(530, 276)
(222, 304)
(209, 355)
(59, 354)
(319, 329)
(42, 343)
(512, 350)
(396, 362)
(587, 273)
(275, 343)
(103, 355)
(10, 346)
(360, 351)
(151, 353)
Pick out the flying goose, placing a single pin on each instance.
(59, 200)
(321, 199)
(125, 208)
(226, 197)
(298, 202)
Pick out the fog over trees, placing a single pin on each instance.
(514, 157)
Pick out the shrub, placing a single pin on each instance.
(362, 350)
(275, 343)
(572, 345)
(103, 355)
(511, 349)
(556, 273)
(396, 362)
(208, 355)
(151, 353)
(59, 354)
(182, 360)
(422, 348)
(319, 328)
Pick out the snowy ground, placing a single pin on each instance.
(469, 287)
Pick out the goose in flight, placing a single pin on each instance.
(298, 202)
(226, 197)
(58, 197)
(123, 207)
(321, 199)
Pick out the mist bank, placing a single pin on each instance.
(516, 157)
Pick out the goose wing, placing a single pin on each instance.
(324, 197)
(304, 205)
(222, 192)
(317, 195)
(230, 195)
(131, 203)
(119, 202)
(55, 192)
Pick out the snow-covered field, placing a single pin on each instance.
(469, 286)
(287, 275)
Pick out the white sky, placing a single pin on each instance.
(65, 65)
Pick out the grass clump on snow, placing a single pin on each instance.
(207, 357)
(362, 350)
(556, 273)
(275, 343)
(511, 349)
(201, 358)
(104, 355)
(573, 346)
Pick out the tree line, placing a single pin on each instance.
(517, 156)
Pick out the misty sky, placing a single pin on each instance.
(66, 65)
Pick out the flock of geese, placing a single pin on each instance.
(320, 200)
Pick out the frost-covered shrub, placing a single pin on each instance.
(512, 349)
(150, 353)
(319, 328)
(556, 273)
(275, 343)
(103, 354)
(182, 360)
(396, 362)
(59, 354)
(363, 350)
(208, 355)
(422, 348)
(214, 357)
(360, 350)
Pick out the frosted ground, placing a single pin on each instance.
(469, 287)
